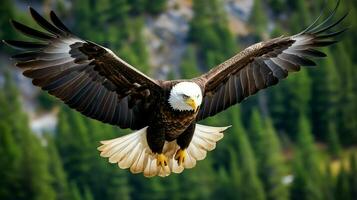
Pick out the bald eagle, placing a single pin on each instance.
(164, 113)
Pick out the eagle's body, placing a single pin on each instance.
(172, 123)
(166, 122)
(164, 114)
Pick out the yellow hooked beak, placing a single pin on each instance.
(191, 102)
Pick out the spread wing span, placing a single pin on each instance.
(86, 76)
(263, 65)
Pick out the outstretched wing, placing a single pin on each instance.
(262, 65)
(86, 76)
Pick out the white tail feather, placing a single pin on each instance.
(132, 151)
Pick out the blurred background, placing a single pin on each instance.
(296, 140)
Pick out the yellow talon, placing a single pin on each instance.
(161, 160)
(180, 156)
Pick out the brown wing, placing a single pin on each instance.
(263, 65)
(86, 76)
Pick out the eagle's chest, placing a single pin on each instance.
(175, 123)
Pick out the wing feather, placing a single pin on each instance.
(86, 76)
(264, 64)
(31, 32)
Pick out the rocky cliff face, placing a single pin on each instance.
(166, 34)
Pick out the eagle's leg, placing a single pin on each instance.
(180, 156)
(184, 141)
(156, 140)
(161, 160)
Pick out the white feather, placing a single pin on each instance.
(132, 151)
(190, 89)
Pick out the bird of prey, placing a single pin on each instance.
(163, 114)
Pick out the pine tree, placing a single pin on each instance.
(209, 30)
(278, 5)
(329, 181)
(256, 133)
(77, 139)
(298, 20)
(201, 178)
(137, 52)
(172, 187)
(117, 186)
(87, 194)
(58, 175)
(333, 140)
(31, 178)
(270, 162)
(7, 12)
(347, 123)
(137, 6)
(342, 190)
(297, 96)
(10, 149)
(82, 13)
(74, 146)
(235, 179)
(75, 193)
(353, 174)
(293, 93)
(10, 154)
(228, 182)
(155, 8)
(189, 65)
(148, 189)
(35, 172)
(307, 175)
(259, 19)
(325, 97)
(46, 101)
(253, 188)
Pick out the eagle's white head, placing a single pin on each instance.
(185, 96)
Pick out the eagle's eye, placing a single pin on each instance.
(185, 96)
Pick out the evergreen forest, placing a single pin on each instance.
(296, 140)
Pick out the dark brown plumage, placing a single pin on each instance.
(94, 81)
(263, 65)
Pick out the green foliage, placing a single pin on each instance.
(7, 11)
(140, 6)
(325, 94)
(258, 18)
(253, 188)
(75, 193)
(26, 159)
(278, 5)
(294, 93)
(155, 8)
(270, 163)
(87, 194)
(300, 21)
(333, 140)
(58, 175)
(10, 154)
(189, 64)
(342, 190)
(353, 174)
(83, 137)
(210, 32)
(346, 121)
(308, 177)
(46, 101)
(74, 138)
